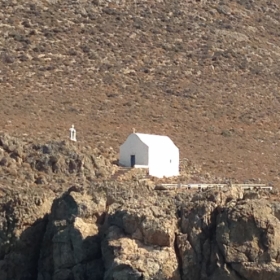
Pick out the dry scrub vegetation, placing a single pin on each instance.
(205, 73)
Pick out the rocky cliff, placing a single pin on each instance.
(129, 231)
(64, 216)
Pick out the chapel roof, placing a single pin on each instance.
(153, 140)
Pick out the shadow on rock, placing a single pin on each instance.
(23, 221)
(19, 256)
(71, 247)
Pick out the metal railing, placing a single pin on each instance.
(207, 186)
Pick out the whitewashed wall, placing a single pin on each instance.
(159, 162)
(133, 146)
(162, 158)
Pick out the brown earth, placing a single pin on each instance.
(206, 73)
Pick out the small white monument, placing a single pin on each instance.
(73, 133)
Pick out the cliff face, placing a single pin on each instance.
(23, 221)
(109, 229)
(131, 232)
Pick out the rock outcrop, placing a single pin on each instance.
(105, 232)
(71, 247)
(139, 241)
(54, 163)
(124, 229)
(23, 222)
(247, 234)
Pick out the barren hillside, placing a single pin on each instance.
(206, 73)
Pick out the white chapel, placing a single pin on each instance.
(156, 152)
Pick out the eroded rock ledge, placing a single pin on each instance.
(132, 232)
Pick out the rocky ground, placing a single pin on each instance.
(206, 73)
(64, 216)
(129, 231)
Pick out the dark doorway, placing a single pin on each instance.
(132, 160)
